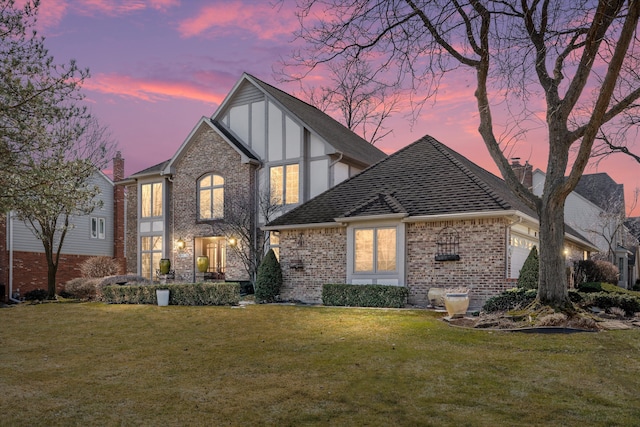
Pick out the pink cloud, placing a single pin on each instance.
(262, 20)
(150, 90)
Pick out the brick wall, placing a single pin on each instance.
(323, 253)
(207, 153)
(118, 213)
(4, 258)
(30, 271)
(131, 233)
(482, 245)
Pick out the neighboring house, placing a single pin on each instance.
(262, 153)
(424, 217)
(23, 266)
(596, 208)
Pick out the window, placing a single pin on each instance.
(274, 243)
(150, 255)
(211, 197)
(151, 200)
(375, 249)
(285, 184)
(97, 228)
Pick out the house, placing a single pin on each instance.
(23, 266)
(262, 153)
(596, 209)
(424, 217)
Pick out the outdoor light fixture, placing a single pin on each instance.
(180, 244)
(232, 241)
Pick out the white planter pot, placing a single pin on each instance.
(163, 297)
(456, 304)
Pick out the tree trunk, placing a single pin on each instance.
(51, 279)
(552, 289)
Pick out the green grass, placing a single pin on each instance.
(97, 364)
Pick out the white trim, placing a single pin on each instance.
(303, 226)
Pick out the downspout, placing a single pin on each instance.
(10, 224)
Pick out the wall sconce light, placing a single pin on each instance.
(180, 244)
(565, 251)
(233, 242)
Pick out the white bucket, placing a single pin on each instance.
(163, 297)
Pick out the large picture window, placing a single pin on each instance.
(375, 250)
(211, 197)
(285, 184)
(151, 200)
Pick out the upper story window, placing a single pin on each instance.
(151, 200)
(97, 228)
(285, 184)
(375, 249)
(211, 197)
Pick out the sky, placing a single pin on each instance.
(158, 66)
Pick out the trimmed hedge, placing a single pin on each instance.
(604, 300)
(364, 295)
(214, 293)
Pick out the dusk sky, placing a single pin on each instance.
(158, 66)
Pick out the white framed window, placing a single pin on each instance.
(285, 184)
(150, 255)
(151, 200)
(98, 228)
(375, 250)
(211, 197)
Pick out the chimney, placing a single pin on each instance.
(524, 173)
(118, 213)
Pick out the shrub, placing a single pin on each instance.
(528, 278)
(629, 303)
(364, 295)
(510, 300)
(83, 288)
(595, 271)
(208, 293)
(36, 295)
(590, 287)
(269, 278)
(99, 266)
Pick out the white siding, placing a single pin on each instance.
(258, 129)
(316, 146)
(293, 139)
(340, 173)
(239, 121)
(318, 176)
(275, 133)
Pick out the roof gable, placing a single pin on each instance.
(601, 190)
(344, 141)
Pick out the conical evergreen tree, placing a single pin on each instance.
(269, 278)
(529, 274)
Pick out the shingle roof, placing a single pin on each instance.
(424, 178)
(601, 190)
(239, 145)
(152, 170)
(341, 138)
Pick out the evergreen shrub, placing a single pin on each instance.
(36, 295)
(530, 271)
(510, 299)
(268, 279)
(364, 295)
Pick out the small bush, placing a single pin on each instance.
(269, 278)
(528, 278)
(99, 266)
(36, 295)
(590, 287)
(83, 288)
(364, 295)
(595, 271)
(209, 293)
(510, 300)
(604, 300)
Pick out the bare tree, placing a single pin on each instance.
(354, 95)
(243, 213)
(577, 61)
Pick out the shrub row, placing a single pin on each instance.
(605, 300)
(179, 294)
(364, 295)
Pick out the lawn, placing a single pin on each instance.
(98, 364)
